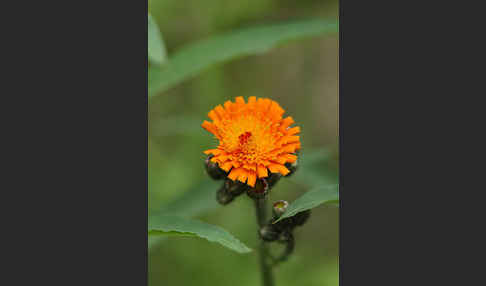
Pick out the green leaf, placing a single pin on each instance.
(156, 47)
(198, 199)
(312, 199)
(194, 58)
(173, 225)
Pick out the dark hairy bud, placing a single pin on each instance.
(301, 218)
(269, 233)
(285, 236)
(273, 178)
(289, 223)
(292, 168)
(281, 231)
(235, 188)
(223, 196)
(229, 191)
(288, 239)
(213, 169)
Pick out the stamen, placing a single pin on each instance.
(244, 137)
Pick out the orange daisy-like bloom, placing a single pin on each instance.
(253, 137)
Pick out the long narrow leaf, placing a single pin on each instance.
(312, 199)
(198, 199)
(194, 58)
(172, 225)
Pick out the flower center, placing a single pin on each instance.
(244, 137)
(247, 145)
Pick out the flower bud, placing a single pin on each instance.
(289, 223)
(260, 190)
(301, 218)
(269, 233)
(213, 169)
(292, 168)
(286, 236)
(273, 178)
(235, 188)
(223, 196)
(286, 224)
(279, 207)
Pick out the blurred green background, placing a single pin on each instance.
(302, 75)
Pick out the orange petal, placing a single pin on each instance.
(273, 168)
(252, 103)
(227, 105)
(239, 100)
(226, 166)
(266, 104)
(212, 151)
(280, 142)
(265, 162)
(286, 123)
(212, 114)
(251, 179)
(290, 148)
(293, 130)
(278, 110)
(251, 167)
(243, 176)
(282, 159)
(262, 171)
(277, 168)
(291, 158)
(292, 139)
(220, 111)
(210, 127)
(260, 104)
(275, 153)
(283, 170)
(298, 146)
(223, 158)
(235, 173)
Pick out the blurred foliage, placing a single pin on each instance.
(303, 77)
(196, 57)
(156, 48)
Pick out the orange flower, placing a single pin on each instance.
(253, 137)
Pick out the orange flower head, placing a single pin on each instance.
(253, 138)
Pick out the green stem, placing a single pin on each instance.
(265, 267)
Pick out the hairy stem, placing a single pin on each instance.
(265, 267)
